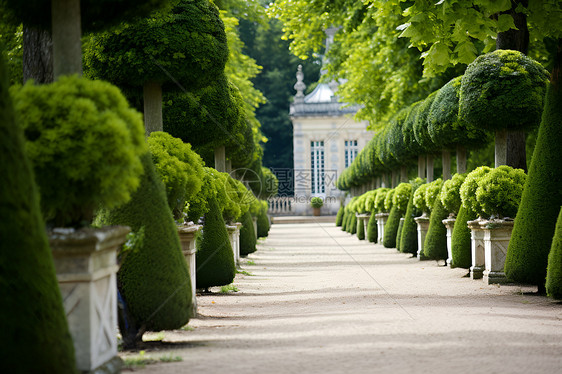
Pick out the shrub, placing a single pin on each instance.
(344, 219)
(339, 217)
(84, 142)
(388, 200)
(399, 233)
(372, 230)
(379, 199)
(391, 228)
(419, 198)
(469, 187)
(432, 192)
(316, 202)
(214, 258)
(360, 203)
(409, 234)
(263, 221)
(402, 196)
(353, 224)
(534, 226)
(461, 239)
(360, 230)
(554, 269)
(32, 316)
(153, 278)
(435, 244)
(370, 200)
(450, 193)
(499, 191)
(247, 235)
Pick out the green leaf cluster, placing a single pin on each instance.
(388, 199)
(450, 193)
(469, 187)
(316, 202)
(380, 198)
(401, 196)
(419, 198)
(432, 192)
(499, 191)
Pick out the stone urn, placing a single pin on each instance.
(497, 233)
(234, 237)
(381, 221)
(449, 225)
(316, 211)
(364, 218)
(187, 233)
(423, 226)
(86, 266)
(476, 248)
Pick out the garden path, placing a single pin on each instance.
(321, 301)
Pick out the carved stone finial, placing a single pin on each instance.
(300, 86)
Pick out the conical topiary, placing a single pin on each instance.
(35, 336)
(263, 223)
(353, 224)
(372, 229)
(391, 227)
(527, 254)
(435, 244)
(409, 236)
(247, 235)
(153, 279)
(461, 239)
(339, 217)
(344, 221)
(360, 230)
(554, 270)
(399, 233)
(215, 261)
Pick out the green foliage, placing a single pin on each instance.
(153, 278)
(503, 90)
(401, 196)
(360, 229)
(370, 200)
(461, 239)
(214, 258)
(316, 202)
(435, 244)
(372, 231)
(12, 44)
(432, 192)
(388, 199)
(187, 42)
(421, 131)
(270, 184)
(180, 168)
(247, 235)
(554, 269)
(399, 233)
(419, 198)
(450, 193)
(499, 191)
(409, 235)
(469, 187)
(32, 308)
(344, 220)
(339, 216)
(263, 221)
(84, 142)
(391, 228)
(535, 222)
(353, 224)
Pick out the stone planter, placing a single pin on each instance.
(316, 211)
(476, 248)
(497, 233)
(86, 265)
(187, 232)
(423, 226)
(449, 224)
(364, 220)
(234, 237)
(381, 221)
(255, 222)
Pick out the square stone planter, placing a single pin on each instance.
(449, 224)
(187, 233)
(86, 266)
(234, 237)
(423, 226)
(364, 218)
(476, 248)
(381, 221)
(497, 233)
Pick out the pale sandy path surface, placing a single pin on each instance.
(321, 301)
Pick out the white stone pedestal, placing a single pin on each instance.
(364, 218)
(234, 237)
(187, 232)
(86, 266)
(476, 248)
(255, 222)
(497, 233)
(381, 221)
(423, 226)
(449, 224)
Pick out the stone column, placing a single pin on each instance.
(477, 248)
(449, 224)
(255, 222)
(234, 237)
(497, 234)
(364, 221)
(423, 226)
(86, 265)
(381, 221)
(187, 233)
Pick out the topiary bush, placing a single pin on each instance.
(214, 258)
(263, 221)
(32, 315)
(401, 196)
(379, 199)
(461, 239)
(432, 192)
(84, 142)
(535, 222)
(450, 194)
(469, 187)
(391, 228)
(419, 198)
(435, 244)
(344, 219)
(372, 229)
(554, 269)
(409, 234)
(353, 224)
(247, 235)
(388, 200)
(153, 278)
(399, 233)
(499, 191)
(316, 202)
(339, 216)
(360, 230)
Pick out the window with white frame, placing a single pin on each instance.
(317, 166)
(351, 151)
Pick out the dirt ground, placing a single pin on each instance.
(320, 301)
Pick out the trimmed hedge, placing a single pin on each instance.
(372, 230)
(35, 336)
(339, 217)
(391, 228)
(399, 233)
(435, 244)
(450, 193)
(214, 257)
(353, 224)
(409, 236)
(461, 239)
(263, 222)
(247, 235)
(499, 191)
(153, 278)
(554, 269)
(344, 220)
(527, 254)
(360, 230)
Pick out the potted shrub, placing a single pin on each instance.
(451, 199)
(316, 203)
(382, 213)
(435, 244)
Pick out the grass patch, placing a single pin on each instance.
(142, 359)
(250, 262)
(229, 288)
(154, 337)
(187, 328)
(244, 272)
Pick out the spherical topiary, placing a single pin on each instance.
(339, 217)
(435, 244)
(370, 200)
(391, 227)
(247, 235)
(316, 202)
(554, 269)
(388, 200)
(84, 142)
(469, 187)
(379, 199)
(214, 258)
(461, 239)
(499, 191)
(419, 198)
(32, 315)
(263, 221)
(372, 229)
(409, 234)
(401, 196)
(432, 192)
(450, 193)
(535, 222)
(503, 89)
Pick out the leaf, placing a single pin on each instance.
(505, 22)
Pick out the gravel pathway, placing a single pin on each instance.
(320, 301)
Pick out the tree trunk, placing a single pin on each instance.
(446, 160)
(383, 180)
(403, 174)
(229, 166)
(421, 167)
(429, 168)
(37, 55)
(461, 159)
(393, 178)
(66, 32)
(152, 95)
(517, 40)
(501, 148)
(220, 159)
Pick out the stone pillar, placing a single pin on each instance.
(187, 233)
(364, 218)
(86, 265)
(255, 222)
(423, 226)
(476, 248)
(449, 224)
(234, 237)
(497, 234)
(381, 221)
